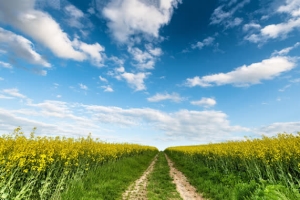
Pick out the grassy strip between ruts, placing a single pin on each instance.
(220, 186)
(160, 186)
(109, 181)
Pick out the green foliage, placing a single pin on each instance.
(160, 186)
(233, 185)
(109, 181)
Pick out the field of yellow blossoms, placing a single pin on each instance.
(39, 167)
(275, 159)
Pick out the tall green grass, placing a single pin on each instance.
(109, 181)
(160, 186)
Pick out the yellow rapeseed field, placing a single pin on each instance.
(269, 158)
(38, 167)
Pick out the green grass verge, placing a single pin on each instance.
(110, 180)
(219, 186)
(160, 186)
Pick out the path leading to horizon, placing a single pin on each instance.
(138, 190)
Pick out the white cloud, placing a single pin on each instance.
(14, 92)
(77, 119)
(285, 51)
(103, 79)
(21, 47)
(282, 29)
(127, 18)
(246, 75)
(175, 97)
(145, 59)
(206, 102)
(235, 22)
(75, 15)
(83, 87)
(41, 26)
(279, 127)
(5, 65)
(120, 69)
(94, 51)
(226, 18)
(154, 51)
(284, 88)
(206, 42)
(136, 81)
(59, 118)
(5, 97)
(107, 88)
(219, 15)
(1, 79)
(58, 96)
(183, 123)
(291, 7)
(279, 30)
(73, 11)
(250, 26)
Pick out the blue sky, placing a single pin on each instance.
(156, 72)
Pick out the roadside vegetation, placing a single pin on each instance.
(160, 186)
(109, 181)
(42, 167)
(262, 169)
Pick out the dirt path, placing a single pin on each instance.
(138, 190)
(185, 189)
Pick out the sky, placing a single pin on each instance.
(153, 72)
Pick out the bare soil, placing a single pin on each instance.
(138, 190)
(185, 189)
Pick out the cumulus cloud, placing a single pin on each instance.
(127, 18)
(184, 123)
(205, 102)
(235, 22)
(206, 42)
(77, 118)
(50, 117)
(94, 51)
(246, 75)
(285, 51)
(5, 97)
(251, 26)
(22, 48)
(5, 65)
(145, 59)
(175, 97)
(41, 26)
(279, 127)
(107, 88)
(224, 14)
(291, 7)
(274, 31)
(103, 79)
(136, 81)
(14, 92)
(282, 29)
(83, 87)
(74, 16)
